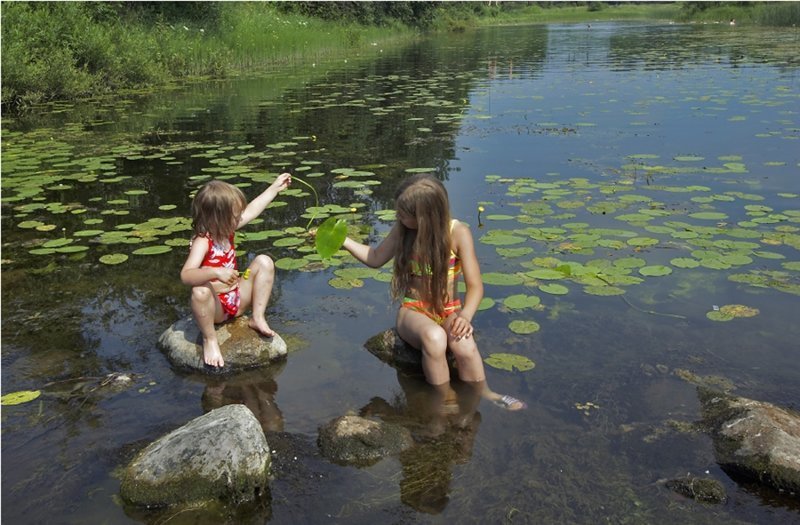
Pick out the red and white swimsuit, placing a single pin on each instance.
(217, 257)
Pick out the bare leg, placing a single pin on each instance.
(207, 309)
(470, 363)
(256, 291)
(421, 332)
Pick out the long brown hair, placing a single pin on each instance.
(216, 209)
(424, 198)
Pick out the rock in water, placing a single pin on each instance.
(222, 455)
(392, 350)
(355, 440)
(756, 439)
(706, 490)
(242, 347)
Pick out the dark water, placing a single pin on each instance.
(591, 145)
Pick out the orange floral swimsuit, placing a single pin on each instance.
(426, 308)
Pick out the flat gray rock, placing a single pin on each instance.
(242, 347)
(222, 455)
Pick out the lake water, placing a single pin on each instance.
(639, 238)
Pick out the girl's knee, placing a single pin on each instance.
(434, 341)
(264, 262)
(202, 294)
(464, 349)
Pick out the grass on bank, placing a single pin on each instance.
(595, 11)
(61, 50)
(72, 50)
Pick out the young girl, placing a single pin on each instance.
(430, 252)
(218, 291)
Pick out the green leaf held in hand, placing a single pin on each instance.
(330, 236)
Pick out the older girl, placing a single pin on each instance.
(431, 251)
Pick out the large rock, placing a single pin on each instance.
(392, 350)
(242, 347)
(355, 440)
(222, 455)
(756, 439)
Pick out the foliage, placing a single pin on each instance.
(784, 14)
(68, 50)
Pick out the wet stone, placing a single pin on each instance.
(359, 441)
(754, 439)
(242, 347)
(705, 490)
(220, 456)
(392, 350)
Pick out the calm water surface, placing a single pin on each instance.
(636, 179)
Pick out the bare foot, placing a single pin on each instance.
(261, 327)
(211, 354)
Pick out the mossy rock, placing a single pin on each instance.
(220, 456)
(359, 441)
(705, 490)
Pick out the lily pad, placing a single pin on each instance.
(510, 362)
(521, 301)
(554, 289)
(503, 279)
(152, 250)
(655, 270)
(523, 327)
(341, 283)
(290, 263)
(739, 310)
(113, 258)
(17, 398)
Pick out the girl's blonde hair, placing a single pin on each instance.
(216, 210)
(424, 198)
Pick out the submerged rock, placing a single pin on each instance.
(242, 347)
(355, 440)
(706, 490)
(755, 439)
(222, 455)
(392, 350)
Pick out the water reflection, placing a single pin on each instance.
(444, 422)
(256, 390)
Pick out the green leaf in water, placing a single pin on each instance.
(290, 263)
(17, 398)
(521, 301)
(113, 258)
(655, 270)
(509, 362)
(554, 289)
(152, 250)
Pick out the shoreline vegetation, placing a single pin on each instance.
(68, 51)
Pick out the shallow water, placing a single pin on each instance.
(609, 149)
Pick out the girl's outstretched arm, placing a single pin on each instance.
(377, 256)
(259, 204)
